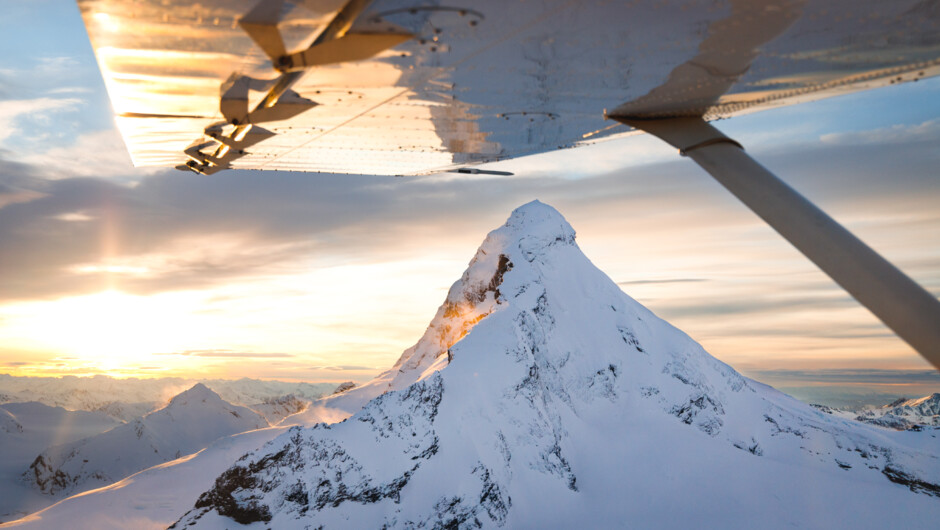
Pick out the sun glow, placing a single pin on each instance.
(306, 324)
(108, 328)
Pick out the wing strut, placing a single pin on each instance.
(903, 305)
(335, 44)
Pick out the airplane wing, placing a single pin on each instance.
(395, 87)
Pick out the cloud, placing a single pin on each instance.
(19, 182)
(99, 154)
(62, 132)
(177, 230)
(874, 330)
(45, 72)
(231, 354)
(660, 282)
(927, 131)
(9, 195)
(867, 376)
(56, 66)
(191, 231)
(69, 90)
(17, 115)
(74, 217)
(343, 368)
(770, 303)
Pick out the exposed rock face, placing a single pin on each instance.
(276, 409)
(543, 396)
(343, 387)
(905, 414)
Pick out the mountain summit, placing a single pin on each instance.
(541, 395)
(905, 413)
(188, 423)
(471, 298)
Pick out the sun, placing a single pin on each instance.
(110, 328)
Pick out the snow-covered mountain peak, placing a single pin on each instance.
(532, 268)
(905, 413)
(199, 393)
(931, 400)
(541, 395)
(531, 231)
(531, 222)
(511, 255)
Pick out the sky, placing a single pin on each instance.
(110, 269)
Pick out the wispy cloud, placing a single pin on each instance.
(660, 282)
(866, 376)
(49, 118)
(100, 154)
(19, 182)
(927, 131)
(343, 368)
(40, 74)
(56, 65)
(193, 231)
(17, 115)
(69, 90)
(73, 217)
(229, 353)
(750, 306)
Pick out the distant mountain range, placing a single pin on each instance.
(540, 396)
(50, 453)
(903, 414)
(189, 423)
(127, 399)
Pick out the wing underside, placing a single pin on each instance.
(404, 88)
